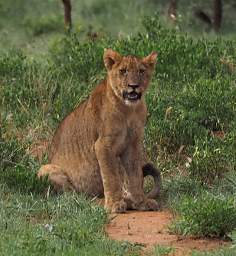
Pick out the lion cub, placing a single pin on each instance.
(98, 148)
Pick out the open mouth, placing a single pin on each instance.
(132, 96)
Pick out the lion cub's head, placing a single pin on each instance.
(129, 76)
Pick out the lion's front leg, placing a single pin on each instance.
(111, 172)
(135, 197)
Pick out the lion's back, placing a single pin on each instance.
(76, 134)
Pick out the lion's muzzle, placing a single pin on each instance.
(132, 96)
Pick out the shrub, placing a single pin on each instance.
(205, 215)
(77, 59)
(18, 169)
(12, 65)
(43, 25)
(179, 186)
(213, 157)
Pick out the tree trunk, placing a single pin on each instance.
(203, 17)
(217, 18)
(172, 10)
(67, 14)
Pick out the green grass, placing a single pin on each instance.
(63, 225)
(222, 252)
(163, 250)
(205, 215)
(191, 99)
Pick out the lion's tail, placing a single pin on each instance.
(149, 169)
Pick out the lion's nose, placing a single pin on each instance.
(133, 86)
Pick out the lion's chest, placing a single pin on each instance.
(135, 129)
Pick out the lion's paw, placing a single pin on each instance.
(149, 205)
(117, 207)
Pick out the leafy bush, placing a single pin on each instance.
(23, 179)
(180, 186)
(31, 91)
(226, 185)
(205, 215)
(12, 65)
(213, 157)
(44, 24)
(17, 168)
(77, 59)
(11, 153)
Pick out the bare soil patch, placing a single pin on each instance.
(151, 228)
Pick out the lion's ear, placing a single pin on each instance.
(151, 59)
(110, 57)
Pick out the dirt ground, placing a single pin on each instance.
(151, 228)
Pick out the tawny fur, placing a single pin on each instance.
(98, 148)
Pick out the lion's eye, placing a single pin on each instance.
(123, 71)
(141, 71)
